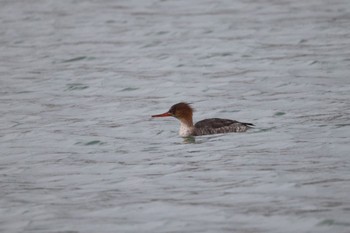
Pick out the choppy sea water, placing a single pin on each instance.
(79, 81)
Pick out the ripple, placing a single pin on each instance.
(75, 59)
(280, 113)
(90, 143)
(332, 222)
(76, 86)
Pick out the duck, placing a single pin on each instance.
(184, 113)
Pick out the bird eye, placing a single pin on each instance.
(172, 111)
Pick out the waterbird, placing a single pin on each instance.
(184, 112)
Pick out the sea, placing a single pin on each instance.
(80, 153)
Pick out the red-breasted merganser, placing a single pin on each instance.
(183, 112)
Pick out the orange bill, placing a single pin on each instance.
(166, 114)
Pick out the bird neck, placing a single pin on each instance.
(188, 121)
(186, 127)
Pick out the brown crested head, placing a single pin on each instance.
(181, 110)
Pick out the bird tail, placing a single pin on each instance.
(248, 124)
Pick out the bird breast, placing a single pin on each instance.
(185, 130)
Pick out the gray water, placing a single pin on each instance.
(79, 81)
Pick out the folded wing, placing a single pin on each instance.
(218, 125)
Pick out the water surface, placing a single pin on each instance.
(79, 81)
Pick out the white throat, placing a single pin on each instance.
(185, 129)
